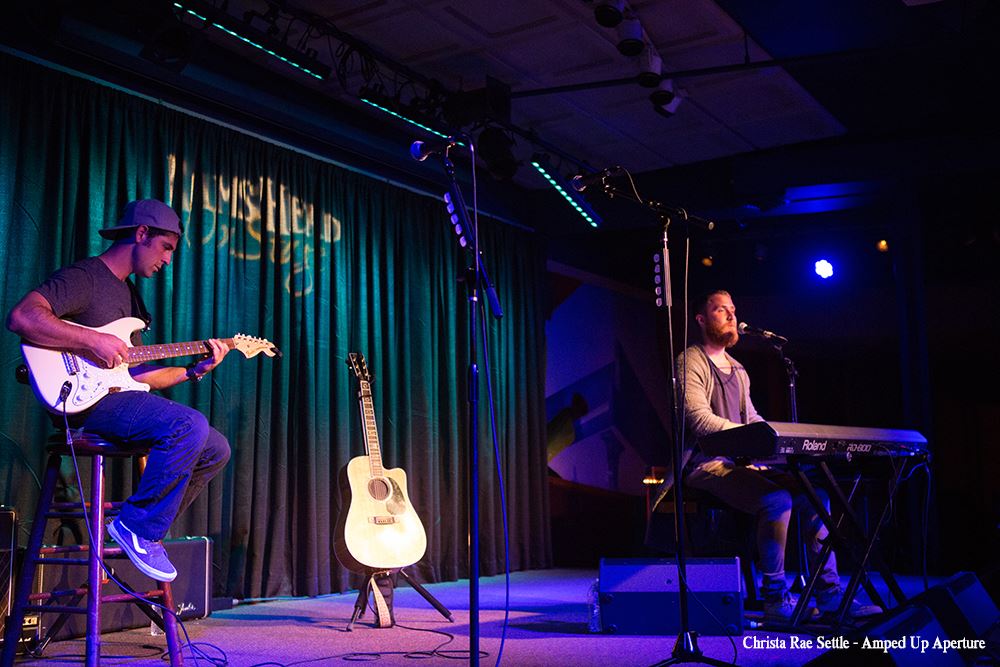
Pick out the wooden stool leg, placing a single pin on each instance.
(170, 626)
(94, 572)
(12, 632)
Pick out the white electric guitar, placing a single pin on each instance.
(62, 377)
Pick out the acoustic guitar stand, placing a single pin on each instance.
(382, 611)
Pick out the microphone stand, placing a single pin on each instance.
(477, 279)
(793, 374)
(793, 414)
(686, 648)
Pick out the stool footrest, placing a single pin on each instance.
(66, 592)
(114, 511)
(116, 597)
(63, 561)
(65, 506)
(65, 549)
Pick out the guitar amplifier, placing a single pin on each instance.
(192, 556)
(8, 566)
(641, 596)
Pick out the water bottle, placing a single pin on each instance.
(594, 607)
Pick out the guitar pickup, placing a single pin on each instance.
(383, 520)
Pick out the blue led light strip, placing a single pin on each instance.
(250, 42)
(400, 116)
(561, 190)
(408, 120)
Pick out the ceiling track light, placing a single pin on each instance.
(231, 26)
(562, 186)
(631, 40)
(665, 99)
(609, 13)
(650, 68)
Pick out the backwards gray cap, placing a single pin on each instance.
(149, 212)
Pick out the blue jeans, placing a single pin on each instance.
(770, 495)
(184, 454)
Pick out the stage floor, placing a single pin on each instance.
(548, 626)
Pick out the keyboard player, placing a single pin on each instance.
(717, 397)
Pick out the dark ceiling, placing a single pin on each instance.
(783, 109)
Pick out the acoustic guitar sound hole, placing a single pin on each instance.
(378, 488)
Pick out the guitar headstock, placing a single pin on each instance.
(251, 346)
(358, 365)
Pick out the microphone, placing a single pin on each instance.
(421, 150)
(583, 181)
(746, 329)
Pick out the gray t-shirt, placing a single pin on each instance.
(88, 293)
(726, 395)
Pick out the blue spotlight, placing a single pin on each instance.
(824, 269)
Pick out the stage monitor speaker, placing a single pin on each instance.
(641, 596)
(903, 633)
(192, 556)
(963, 606)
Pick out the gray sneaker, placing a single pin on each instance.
(828, 602)
(780, 610)
(149, 557)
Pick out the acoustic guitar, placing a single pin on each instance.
(378, 529)
(63, 377)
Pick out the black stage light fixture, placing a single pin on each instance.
(473, 106)
(494, 146)
(169, 45)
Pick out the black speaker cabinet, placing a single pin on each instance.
(963, 606)
(641, 596)
(895, 642)
(192, 556)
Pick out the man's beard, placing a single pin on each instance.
(717, 334)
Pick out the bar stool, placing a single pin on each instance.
(95, 511)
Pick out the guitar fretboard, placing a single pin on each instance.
(170, 350)
(371, 430)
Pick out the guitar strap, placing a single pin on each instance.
(382, 589)
(138, 307)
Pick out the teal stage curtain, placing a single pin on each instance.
(321, 261)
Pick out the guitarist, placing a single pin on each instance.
(184, 451)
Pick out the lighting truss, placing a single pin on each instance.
(367, 99)
(562, 186)
(229, 25)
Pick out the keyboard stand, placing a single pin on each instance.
(853, 536)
